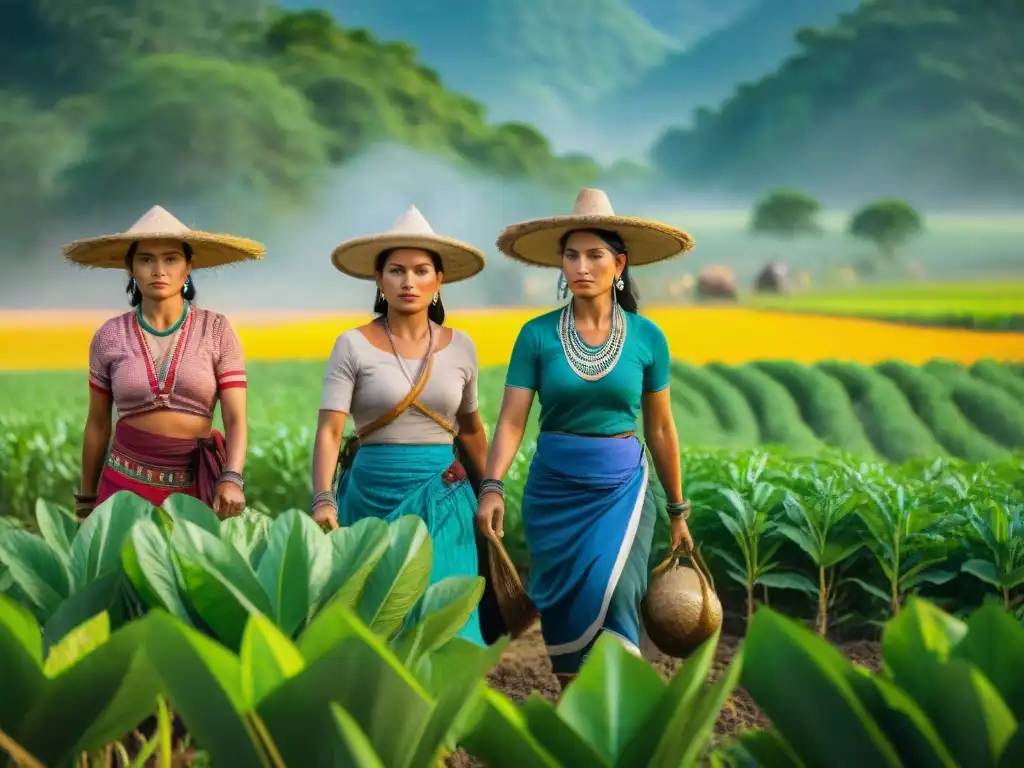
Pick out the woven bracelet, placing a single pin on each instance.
(678, 509)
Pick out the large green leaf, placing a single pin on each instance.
(497, 734)
(294, 568)
(181, 506)
(268, 659)
(360, 674)
(465, 665)
(353, 749)
(1013, 752)
(445, 608)
(203, 681)
(960, 701)
(97, 547)
(21, 645)
(560, 739)
(218, 581)
(826, 724)
(995, 645)
(105, 692)
(36, 569)
(103, 595)
(400, 578)
(248, 534)
(686, 737)
(147, 563)
(608, 702)
(56, 526)
(355, 552)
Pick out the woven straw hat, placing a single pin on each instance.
(357, 257)
(208, 250)
(536, 242)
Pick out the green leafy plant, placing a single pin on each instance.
(87, 692)
(1000, 528)
(909, 545)
(819, 517)
(617, 712)
(951, 693)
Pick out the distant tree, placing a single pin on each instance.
(178, 127)
(888, 224)
(787, 214)
(32, 145)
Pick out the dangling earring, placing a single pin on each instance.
(437, 298)
(132, 285)
(620, 284)
(187, 286)
(563, 286)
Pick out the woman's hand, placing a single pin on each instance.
(326, 516)
(681, 538)
(228, 500)
(490, 515)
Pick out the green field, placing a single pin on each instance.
(994, 305)
(892, 412)
(954, 250)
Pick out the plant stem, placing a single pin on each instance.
(822, 601)
(750, 603)
(1006, 598)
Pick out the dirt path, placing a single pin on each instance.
(525, 668)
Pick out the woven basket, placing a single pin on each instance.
(681, 609)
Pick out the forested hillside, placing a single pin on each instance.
(922, 99)
(706, 73)
(530, 60)
(218, 102)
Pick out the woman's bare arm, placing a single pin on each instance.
(330, 428)
(96, 439)
(508, 435)
(663, 442)
(472, 441)
(236, 427)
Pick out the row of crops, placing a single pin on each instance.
(273, 643)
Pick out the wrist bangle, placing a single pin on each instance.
(491, 485)
(324, 497)
(229, 476)
(679, 509)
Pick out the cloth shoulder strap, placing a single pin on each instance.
(409, 401)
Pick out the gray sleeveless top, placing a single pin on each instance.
(366, 382)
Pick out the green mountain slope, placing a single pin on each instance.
(526, 59)
(707, 72)
(924, 100)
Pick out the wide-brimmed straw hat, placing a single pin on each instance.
(208, 249)
(536, 241)
(357, 257)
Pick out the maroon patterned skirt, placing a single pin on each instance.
(154, 466)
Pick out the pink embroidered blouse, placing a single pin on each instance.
(206, 358)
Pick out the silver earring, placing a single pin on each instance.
(437, 298)
(620, 284)
(563, 286)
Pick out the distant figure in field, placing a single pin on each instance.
(774, 277)
(164, 365)
(716, 281)
(410, 385)
(595, 365)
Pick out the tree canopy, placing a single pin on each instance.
(202, 99)
(922, 98)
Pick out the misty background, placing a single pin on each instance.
(303, 124)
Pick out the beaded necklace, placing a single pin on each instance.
(592, 363)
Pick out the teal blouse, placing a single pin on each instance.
(608, 406)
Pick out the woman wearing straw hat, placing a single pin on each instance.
(164, 365)
(410, 385)
(595, 365)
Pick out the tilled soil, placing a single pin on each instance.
(524, 668)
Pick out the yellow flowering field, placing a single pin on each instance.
(732, 335)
